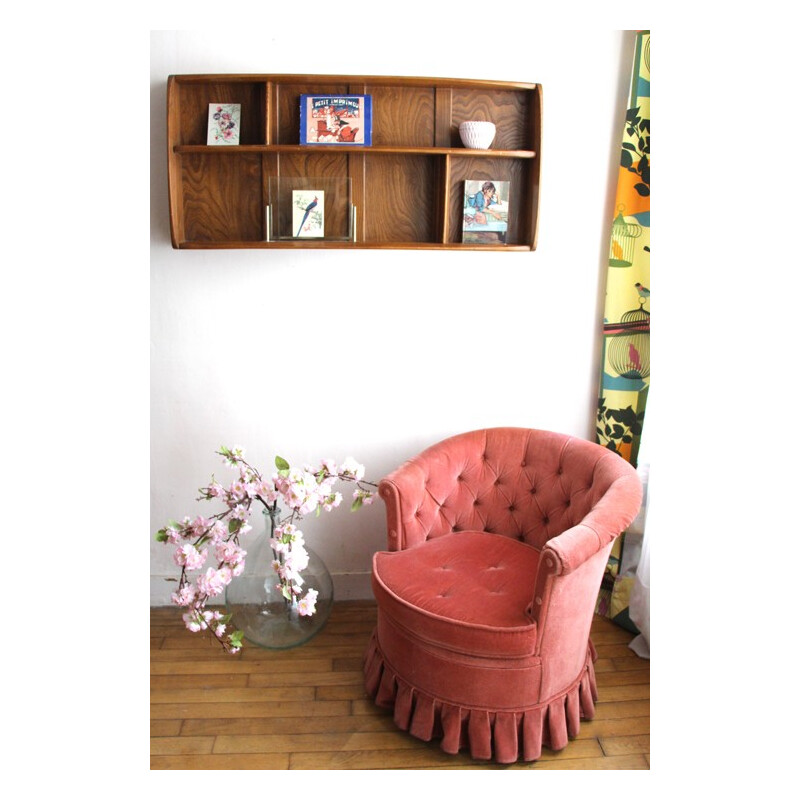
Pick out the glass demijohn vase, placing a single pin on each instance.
(257, 605)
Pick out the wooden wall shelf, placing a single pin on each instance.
(407, 187)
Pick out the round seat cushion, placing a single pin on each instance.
(468, 592)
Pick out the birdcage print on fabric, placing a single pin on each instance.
(625, 376)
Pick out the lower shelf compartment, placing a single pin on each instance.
(401, 201)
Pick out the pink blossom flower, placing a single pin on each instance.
(217, 532)
(352, 469)
(185, 596)
(297, 558)
(265, 489)
(189, 556)
(211, 584)
(299, 490)
(240, 512)
(237, 492)
(199, 525)
(234, 454)
(230, 553)
(332, 501)
(329, 465)
(174, 533)
(287, 529)
(194, 621)
(308, 605)
(287, 573)
(365, 496)
(225, 575)
(279, 546)
(215, 490)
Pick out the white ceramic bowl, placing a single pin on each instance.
(477, 134)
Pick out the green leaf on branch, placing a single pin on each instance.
(161, 536)
(281, 463)
(236, 638)
(234, 525)
(357, 503)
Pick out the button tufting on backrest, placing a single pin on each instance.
(504, 482)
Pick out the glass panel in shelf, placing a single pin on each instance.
(310, 208)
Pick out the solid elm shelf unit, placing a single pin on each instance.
(407, 187)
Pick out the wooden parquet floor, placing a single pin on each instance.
(306, 708)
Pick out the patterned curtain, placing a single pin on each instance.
(625, 377)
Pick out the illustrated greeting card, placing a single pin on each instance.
(308, 213)
(223, 123)
(336, 119)
(485, 211)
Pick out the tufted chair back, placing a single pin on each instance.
(526, 484)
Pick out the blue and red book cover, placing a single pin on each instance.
(336, 119)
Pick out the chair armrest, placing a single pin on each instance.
(402, 492)
(570, 571)
(608, 519)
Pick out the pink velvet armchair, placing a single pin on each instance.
(497, 542)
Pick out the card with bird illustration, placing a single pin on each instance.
(308, 213)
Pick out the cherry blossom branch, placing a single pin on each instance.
(302, 490)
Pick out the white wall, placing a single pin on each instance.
(377, 354)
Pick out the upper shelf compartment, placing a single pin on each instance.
(408, 186)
